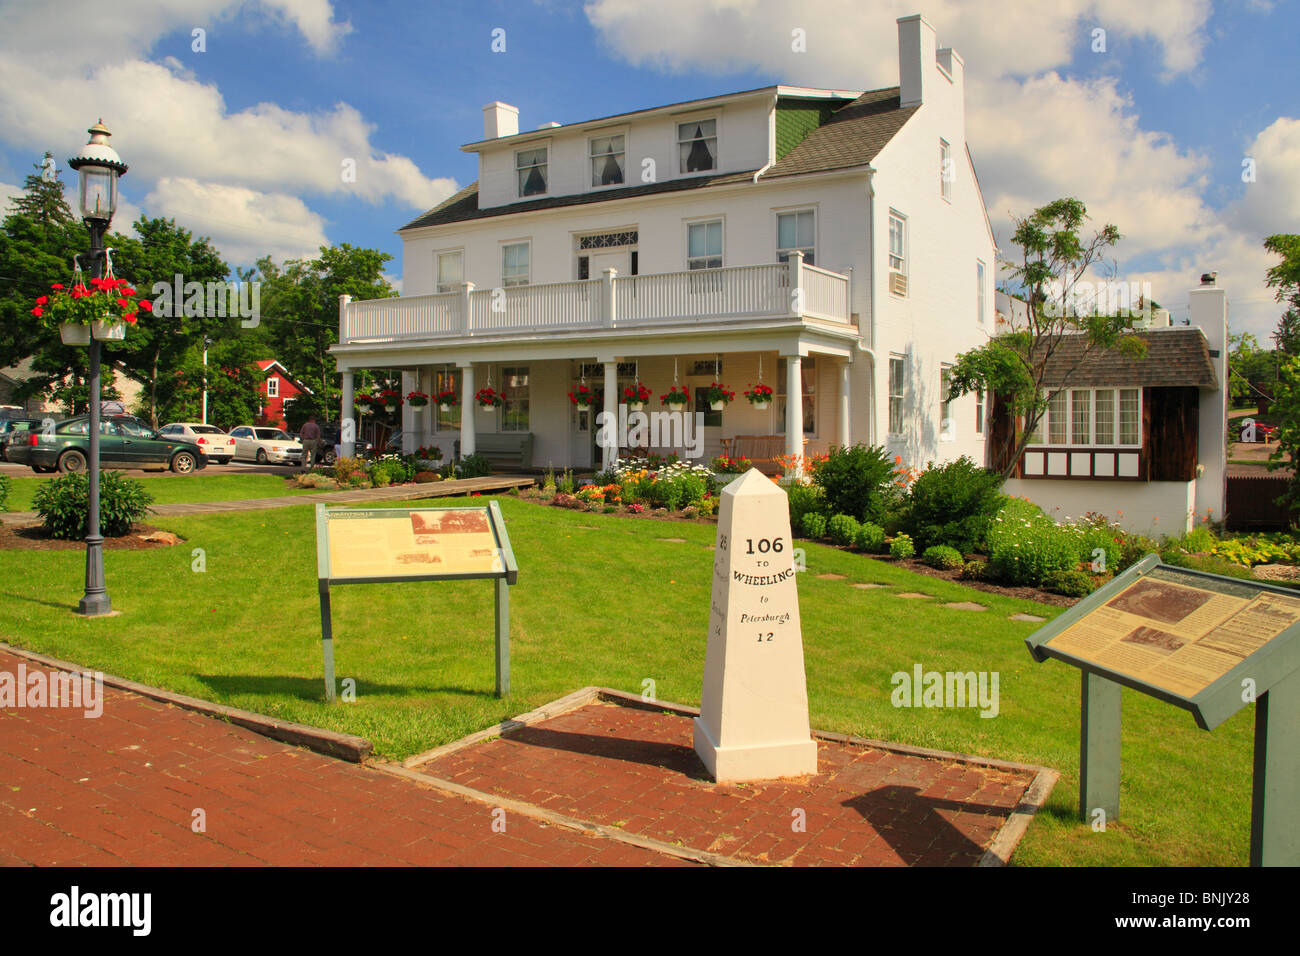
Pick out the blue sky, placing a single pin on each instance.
(244, 141)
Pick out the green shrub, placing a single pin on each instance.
(842, 529)
(942, 557)
(5, 485)
(1198, 540)
(853, 479)
(387, 471)
(813, 525)
(870, 537)
(1070, 582)
(64, 504)
(804, 499)
(953, 504)
(1101, 537)
(974, 571)
(350, 472)
(902, 547)
(475, 466)
(1133, 549)
(1027, 552)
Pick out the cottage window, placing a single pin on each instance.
(1087, 417)
(796, 232)
(530, 167)
(697, 145)
(607, 160)
(897, 370)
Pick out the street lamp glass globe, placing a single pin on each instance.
(98, 166)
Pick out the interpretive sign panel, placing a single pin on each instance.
(370, 545)
(1207, 643)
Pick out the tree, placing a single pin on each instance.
(1285, 277)
(1248, 364)
(1287, 408)
(1016, 366)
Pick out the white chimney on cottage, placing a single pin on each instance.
(1208, 310)
(916, 58)
(500, 119)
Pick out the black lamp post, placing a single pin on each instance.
(98, 167)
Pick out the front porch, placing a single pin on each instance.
(786, 325)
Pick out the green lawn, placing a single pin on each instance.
(171, 489)
(603, 600)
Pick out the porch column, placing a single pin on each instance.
(794, 410)
(609, 448)
(347, 419)
(845, 368)
(467, 409)
(410, 420)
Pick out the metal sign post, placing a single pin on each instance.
(377, 545)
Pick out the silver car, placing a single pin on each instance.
(265, 446)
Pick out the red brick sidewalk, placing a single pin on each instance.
(636, 769)
(122, 789)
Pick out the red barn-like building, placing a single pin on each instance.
(277, 391)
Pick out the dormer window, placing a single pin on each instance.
(697, 145)
(530, 166)
(607, 160)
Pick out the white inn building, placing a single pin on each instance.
(831, 243)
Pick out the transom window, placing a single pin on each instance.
(704, 245)
(608, 240)
(796, 231)
(514, 264)
(607, 157)
(897, 372)
(451, 271)
(1103, 417)
(697, 145)
(530, 167)
(898, 243)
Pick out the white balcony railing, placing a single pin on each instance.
(779, 290)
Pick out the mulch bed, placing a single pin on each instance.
(35, 538)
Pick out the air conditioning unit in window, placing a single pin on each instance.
(898, 283)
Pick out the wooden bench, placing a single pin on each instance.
(508, 449)
(764, 451)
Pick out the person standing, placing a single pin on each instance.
(310, 438)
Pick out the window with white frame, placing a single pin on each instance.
(945, 170)
(530, 168)
(272, 387)
(514, 264)
(704, 245)
(796, 232)
(980, 300)
(697, 145)
(979, 411)
(898, 242)
(1092, 417)
(514, 388)
(451, 270)
(945, 403)
(897, 373)
(607, 160)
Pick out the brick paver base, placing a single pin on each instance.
(636, 769)
(122, 789)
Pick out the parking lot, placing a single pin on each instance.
(234, 468)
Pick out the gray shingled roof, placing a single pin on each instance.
(1175, 357)
(853, 136)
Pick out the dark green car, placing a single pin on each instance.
(124, 442)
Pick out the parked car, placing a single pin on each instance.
(331, 435)
(266, 445)
(124, 442)
(216, 444)
(15, 429)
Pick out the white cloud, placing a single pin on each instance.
(8, 191)
(1271, 204)
(243, 223)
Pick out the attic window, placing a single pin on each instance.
(697, 145)
(607, 160)
(530, 166)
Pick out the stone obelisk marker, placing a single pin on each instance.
(753, 722)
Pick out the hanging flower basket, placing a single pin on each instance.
(719, 396)
(73, 333)
(760, 395)
(105, 306)
(636, 396)
(365, 403)
(447, 400)
(585, 397)
(488, 399)
(417, 400)
(390, 399)
(108, 331)
(677, 395)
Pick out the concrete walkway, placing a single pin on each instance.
(435, 489)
